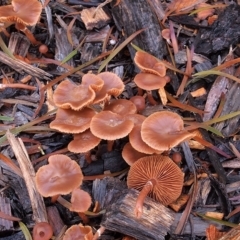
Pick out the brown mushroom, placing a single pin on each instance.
(164, 130)
(93, 81)
(139, 102)
(42, 231)
(157, 176)
(78, 232)
(70, 121)
(83, 143)
(69, 95)
(21, 13)
(121, 106)
(61, 176)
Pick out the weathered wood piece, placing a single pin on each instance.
(131, 16)
(38, 207)
(19, 44)
(22, 67)
(223, 32)
(119, 202)
(5, 208)
(153, 225)
(94, 18)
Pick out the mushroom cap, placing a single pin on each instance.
(42, 231)
(69, 95)
(81, 200)
(137, 119)
(21, 11)
(61, 176)
(166, 33)
(92, 80)
(131, 155)
(139, 102)
(161, 169)
(113, 86)
(83, 142)
(70, 121)
(164, 130)
(110, 126)
(78, 232)
(148, 81)
(121, 106)
(149, 64)
(138, 144)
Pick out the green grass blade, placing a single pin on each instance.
(6, 118)
(118, 49)
(25, 231)
(5, 48)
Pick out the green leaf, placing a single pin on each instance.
(118, 49)
(5, 48)
(6, 118)
(222, 118)
(25, 231)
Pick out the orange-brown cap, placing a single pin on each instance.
(110, 126)
(21, 11)
(164, 130)
(130, 155)
(139, 102)
(70, 121)
(163, 171)
(42, 231)
(113, 86)
(137, 119)
(148, 81)
(137, 143)
(81, 200)
(69, 95)
(148, 63)
(61, 176)
(83, 142)
(92, 80)
(121, 106)
(78, 232)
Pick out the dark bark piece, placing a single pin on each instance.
(19, 44)
(131, 16)
(5, 208)
(223, 33)
(63, 47)
(231, 126)
(153, 225)
(22, 67)
(18, 236)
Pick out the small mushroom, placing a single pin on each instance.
(157, 176)
(61, 176)
(121, 106)
(164, 130)
(78, 232)
(42, 231)
(69, 95)
(139, 102)
(70, 121)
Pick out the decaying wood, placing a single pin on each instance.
(5, 207)
(38, 207)
(19, 44)
(63, 47)
(94, 18)
(119, 203)
(22, 67)
(131, 16)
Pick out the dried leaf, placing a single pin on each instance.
(213, 233)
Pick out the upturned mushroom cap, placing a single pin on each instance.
(131, 155)
(61, 176)
(149, 64)
(148, 81)
(81, 200)
(110, 126)
(69, 95)
(121, 106)
(70, 121)
(166, 175)
(164, 130)
(83, 142)
(92, 80)
(113, 86)
(21, 11)
(78, 232)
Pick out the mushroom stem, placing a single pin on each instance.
(87, 156)
(141, 197)
(98, 233)
(54, 198)
(30, 36)
(140, 91)
(64, 202)
(110, 145)
(84, 217)
(150, 98)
